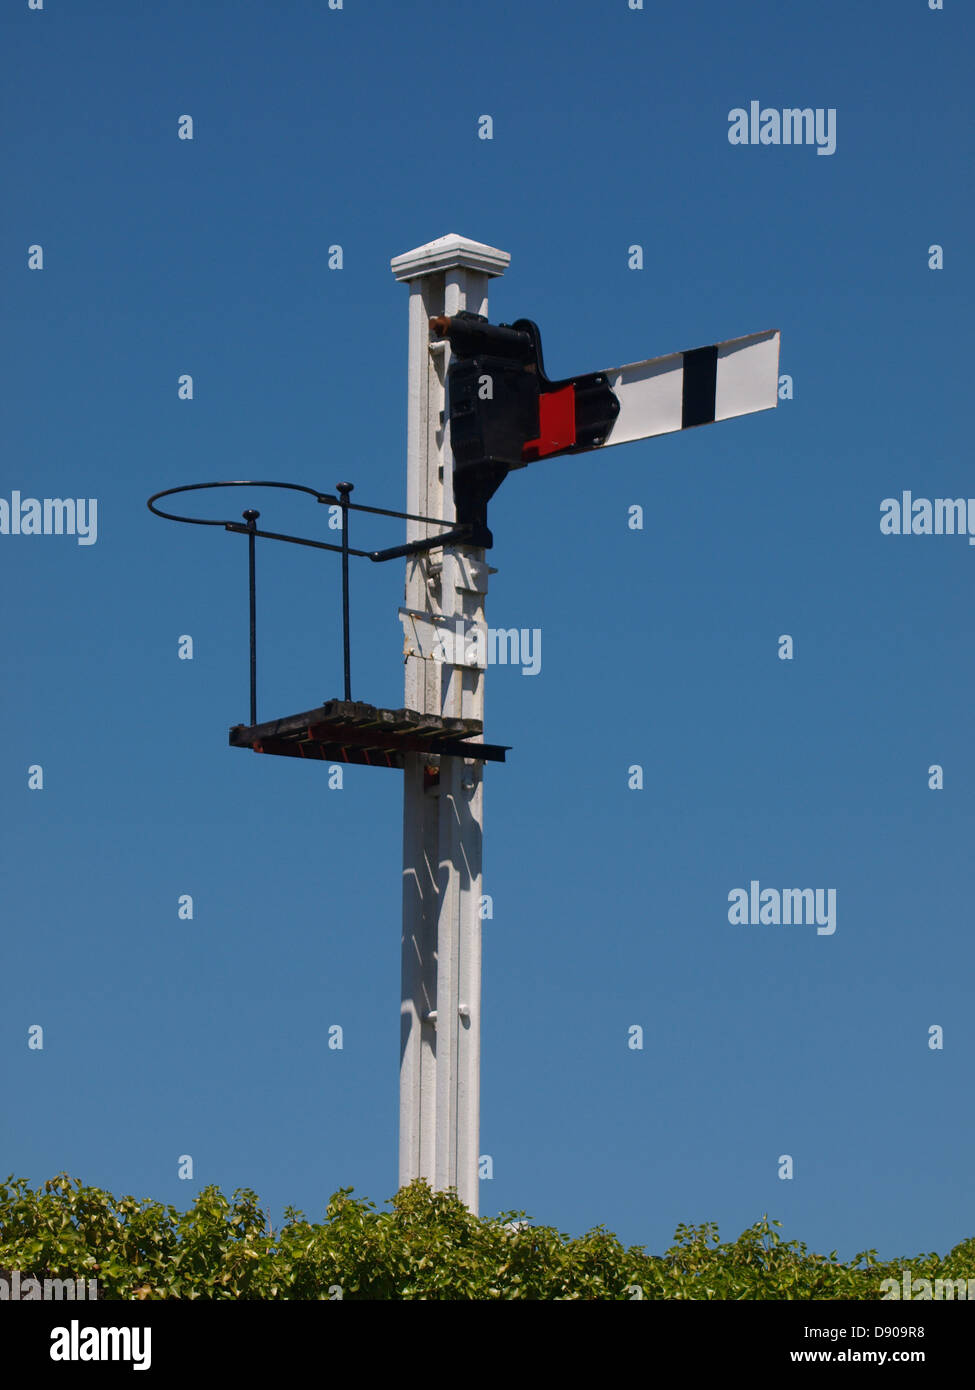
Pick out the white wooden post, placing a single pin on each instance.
(440, 1035)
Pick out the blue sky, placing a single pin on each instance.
(163, 256)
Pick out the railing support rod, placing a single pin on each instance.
(250, 516)
(343, 490)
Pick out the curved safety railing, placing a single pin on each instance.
(455, 535)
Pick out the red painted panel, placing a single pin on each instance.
(556, 424)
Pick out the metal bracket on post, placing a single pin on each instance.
(505, 412)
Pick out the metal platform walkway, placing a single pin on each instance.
(345, 731)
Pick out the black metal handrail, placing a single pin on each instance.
(466, 534)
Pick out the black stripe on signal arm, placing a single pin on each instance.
(700, 382)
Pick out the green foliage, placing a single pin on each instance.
(428, 1246)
